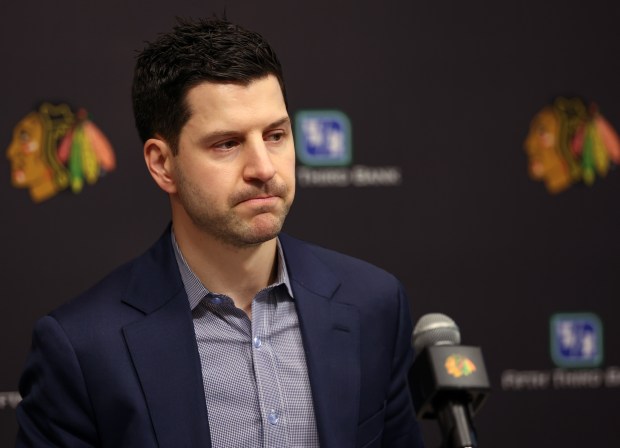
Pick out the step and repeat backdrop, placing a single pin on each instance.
(470, 148)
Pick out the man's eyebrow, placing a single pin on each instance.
(279, 122)
(215, 135)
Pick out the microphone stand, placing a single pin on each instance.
(456, 426)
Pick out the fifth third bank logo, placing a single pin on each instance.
(323, 138)
(324, 148)
(576, 340)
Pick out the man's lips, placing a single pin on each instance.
(268, 195)
(260, 200)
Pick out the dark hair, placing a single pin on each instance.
(212, 50)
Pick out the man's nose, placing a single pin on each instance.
(258, 164)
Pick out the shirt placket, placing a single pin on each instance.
(275, 431)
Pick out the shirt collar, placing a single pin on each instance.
(196, 291)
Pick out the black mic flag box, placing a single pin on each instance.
(448, 372)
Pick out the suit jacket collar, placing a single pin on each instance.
(155, 278)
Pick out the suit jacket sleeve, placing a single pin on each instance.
(56, 411)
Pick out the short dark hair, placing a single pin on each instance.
(212, 50)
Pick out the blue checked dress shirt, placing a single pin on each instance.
(253, 371)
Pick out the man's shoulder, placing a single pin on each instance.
(377, 295)
(111, 293)
(343, 266)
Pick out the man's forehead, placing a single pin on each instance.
(230, 86)
(260, 100)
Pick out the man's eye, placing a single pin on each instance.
(275, 137)
(230, 144)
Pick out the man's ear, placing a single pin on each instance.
(159, 161)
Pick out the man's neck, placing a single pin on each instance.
(238, 272)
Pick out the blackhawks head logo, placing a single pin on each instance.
(569, 142)
(458, 366)
(54, 148)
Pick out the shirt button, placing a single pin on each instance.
(273, 417)
(257, 342)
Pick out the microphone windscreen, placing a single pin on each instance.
(434, 329)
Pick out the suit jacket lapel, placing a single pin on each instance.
(164, 350)
(330, 332)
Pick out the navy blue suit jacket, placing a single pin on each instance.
(119, 366)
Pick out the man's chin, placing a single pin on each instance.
(258, 232)
(245, 231)
(249, 240)
(262, 234)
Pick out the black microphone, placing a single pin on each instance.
(448, 381)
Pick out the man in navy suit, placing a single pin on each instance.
(226, 332)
